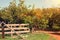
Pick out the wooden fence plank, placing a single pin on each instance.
(16, 32)
(15, 28)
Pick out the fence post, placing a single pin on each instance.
(11, 32)
(2, 25)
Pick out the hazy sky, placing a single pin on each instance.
(37, 3)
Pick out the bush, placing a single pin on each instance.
(56, 27)
(43, 23)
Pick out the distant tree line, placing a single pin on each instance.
(40, 18)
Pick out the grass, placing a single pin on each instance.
(40, 36)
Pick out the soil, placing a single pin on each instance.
(53, 34)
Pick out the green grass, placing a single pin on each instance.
(40, 36)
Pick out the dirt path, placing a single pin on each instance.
(53, 34)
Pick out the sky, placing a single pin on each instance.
(37, 3)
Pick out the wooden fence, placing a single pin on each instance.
(15, 29)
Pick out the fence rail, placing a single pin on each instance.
(25, 28)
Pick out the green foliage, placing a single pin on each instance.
(56, 27)
(43, 23)
(22, 14)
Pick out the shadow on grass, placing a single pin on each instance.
(55, 33)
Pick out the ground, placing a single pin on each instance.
(32, 36)
(38, 35)
(52, 34)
